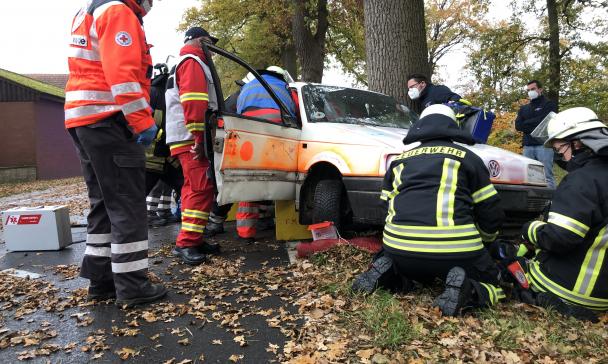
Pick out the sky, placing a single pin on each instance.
(34, 37)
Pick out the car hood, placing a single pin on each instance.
(504, 166)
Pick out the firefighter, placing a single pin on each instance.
(442, 208)
(107, 113)
(255, 101)
(570, 270)
(190, 94)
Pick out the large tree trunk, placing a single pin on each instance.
(310, 48)
(395, 44)
(289, 60)
(554, 52)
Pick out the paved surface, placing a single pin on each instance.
(155, 341)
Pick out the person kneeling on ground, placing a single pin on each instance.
(570, 270)
(442, 207)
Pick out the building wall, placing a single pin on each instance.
(55, 153)
(18, 135)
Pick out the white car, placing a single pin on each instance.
(332, 157)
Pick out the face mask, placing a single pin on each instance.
(532, 94)
(413, 93)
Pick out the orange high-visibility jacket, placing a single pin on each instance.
(110, 67)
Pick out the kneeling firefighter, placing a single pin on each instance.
(442, 207)
(570, 270)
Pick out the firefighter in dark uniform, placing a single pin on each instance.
(424, 93)
(570, 270)
(442, 208)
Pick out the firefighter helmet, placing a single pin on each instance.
(570, 122)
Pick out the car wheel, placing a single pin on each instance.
(328, 204)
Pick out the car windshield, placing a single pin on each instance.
(331, 104)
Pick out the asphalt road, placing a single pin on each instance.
(156, 341)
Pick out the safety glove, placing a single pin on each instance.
(146, 137)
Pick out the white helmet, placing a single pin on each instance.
(439, 109)
(570, 122)
(286, 76)
(248, 77)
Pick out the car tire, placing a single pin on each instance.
(328, 204)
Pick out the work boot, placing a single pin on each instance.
(101, 291)
(208, 248)
(380, 270)
(549, 300)
(458, 292)
(155, 221)
(189, 255)
(151, 293)
(212, 229)
(169, 217)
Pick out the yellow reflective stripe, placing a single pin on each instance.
(532, 231)
(544, 284)
(568, 223)
(195, 214)
(194, 96)
(396, 183)
(195, 127)
(487, 237)
(484, 194)
(438, 232)
(491, 292)
(593, 263)
(385, 195)
(447, 192)
(450, 246)
(178, 145)
(193, 227)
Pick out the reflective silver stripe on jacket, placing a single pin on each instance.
(135, 106)
(125, 88)
(568, 223)
(176, 126)
(88, 110)
(432, 231)
(434, 246)
(90, 55)
(89, 96)
(130, 247)
(592, 264)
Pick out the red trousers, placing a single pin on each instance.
(197, 200)
(247, 216)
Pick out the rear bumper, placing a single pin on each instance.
(521, 203)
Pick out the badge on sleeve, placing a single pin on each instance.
(123, 39)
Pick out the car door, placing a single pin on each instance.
(254, 159)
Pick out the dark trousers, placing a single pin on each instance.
(219, 213)
(113, 165)
(172, 176)
(482, 271)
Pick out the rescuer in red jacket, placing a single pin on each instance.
(190, 94)
(107, 113)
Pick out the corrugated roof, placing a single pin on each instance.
(32, 83)
(55, 79)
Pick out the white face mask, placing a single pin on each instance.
(413, 93)
(532, 94)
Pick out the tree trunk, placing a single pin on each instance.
(395, 40)
(310, 48)
(289, 60)
(554, 53)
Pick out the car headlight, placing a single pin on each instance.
(536, 174)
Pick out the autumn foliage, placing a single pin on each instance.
(503, 133)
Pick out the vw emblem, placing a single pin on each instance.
(494, 168)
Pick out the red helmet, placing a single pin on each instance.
(140, 7)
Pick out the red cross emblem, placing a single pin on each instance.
(123, 39)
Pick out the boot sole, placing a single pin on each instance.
(186, 260)
(449, 301)
(367, 282)
(141, 300)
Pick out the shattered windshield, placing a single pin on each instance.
(331, 104)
